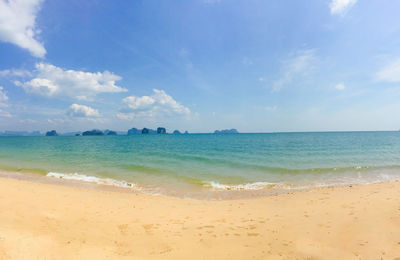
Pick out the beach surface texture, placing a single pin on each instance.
(49, 221)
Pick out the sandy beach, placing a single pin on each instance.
(48, 221)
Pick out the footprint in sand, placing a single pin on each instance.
(209, 226)
(252, 234)
(147, 228)
(123, 229)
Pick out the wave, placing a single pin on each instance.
(238, 187)
(360, 178)
(92, 179)
(218, 185)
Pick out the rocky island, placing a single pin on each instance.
(161, 130)
(93, 132)
(110, 132)
(226, 131)
(52, 133)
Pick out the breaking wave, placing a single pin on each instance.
(92, 179)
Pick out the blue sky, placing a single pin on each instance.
(200, 65)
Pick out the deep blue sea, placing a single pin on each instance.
(210, 165)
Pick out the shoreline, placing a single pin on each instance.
(44, 220)
(211, 195)
(206, 195)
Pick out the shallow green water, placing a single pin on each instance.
(208, 162)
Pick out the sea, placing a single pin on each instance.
(209, 166)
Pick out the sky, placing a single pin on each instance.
(200, 65)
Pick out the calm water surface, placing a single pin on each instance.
(208, 164)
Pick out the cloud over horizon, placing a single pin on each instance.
(52, 81)
(158, 104)
(5, 114)
(76, 110)
(18, 25)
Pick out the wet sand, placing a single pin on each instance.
(49, 221)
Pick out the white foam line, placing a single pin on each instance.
(92, 179)
(247, 186)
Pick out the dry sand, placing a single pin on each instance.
(47, 221)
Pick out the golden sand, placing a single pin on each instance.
(47, 221)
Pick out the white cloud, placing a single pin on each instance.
(5, 114)
(125, 116)
(300, 65)
(76, 110)
(340, 7)
(271, 108)
(52, 81)
(28, 121)
(3, 98)
(56, 121)
(14, 73)
(340, 86)
(158, 104)
(18, 24)
(390, 73)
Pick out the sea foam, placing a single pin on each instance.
(92, 179)
(238, 187)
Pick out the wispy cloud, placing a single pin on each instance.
(5, 114)
(15, 73)
(300, 64)
(266, 108)
(390, 72)
(18, 24)
(4, 103)
(271, 108)
(341, 7)
(340, 86)
(3, 98)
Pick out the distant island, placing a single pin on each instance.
(93, 132)
(226, 131)
(110, 132)
(107, 132)
(52, 133)
(160, 130)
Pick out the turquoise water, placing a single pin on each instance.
(199, 164)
